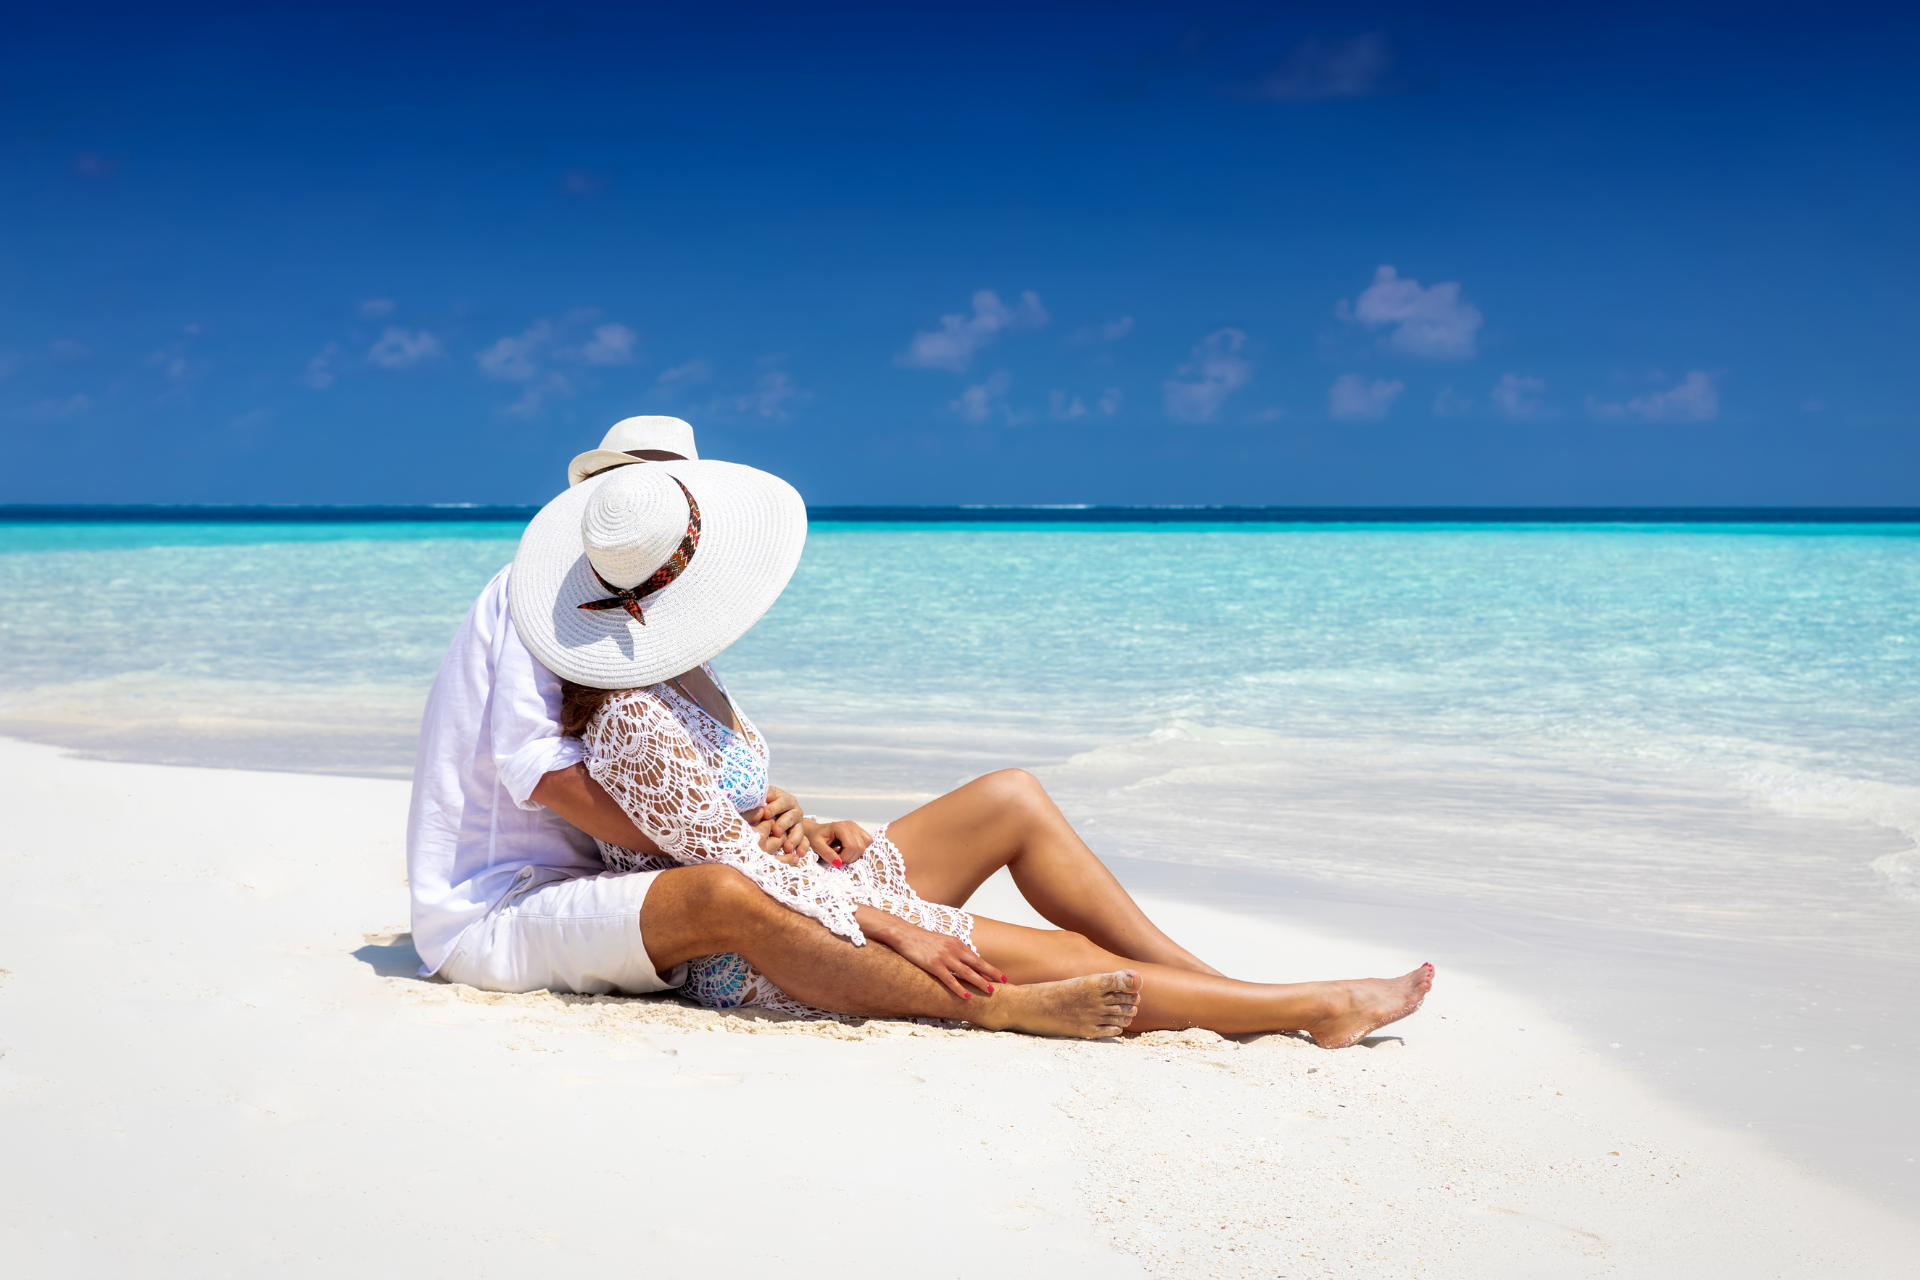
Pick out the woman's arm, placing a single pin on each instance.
(948, 959)
(642, 757)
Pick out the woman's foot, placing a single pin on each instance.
(1367, 1005)
(1092, 1008)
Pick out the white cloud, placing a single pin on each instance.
(377, 308)
(400, 349)
(953, 344)
(682, 376)
(1451, 404)
(1271, 413)
(768, 399)
(533, 399)
(521, 357)
(319, 373)
(1519, 397)
(979, 402)
(1316, 69)
(1431, 323)
(514, 359)
(527, 358)
(1104, 332)
(172, 361)
(610, 344)
(177, 363)
(1355, 399)
(1217, 370)
(1695, 399)
(1065, 407)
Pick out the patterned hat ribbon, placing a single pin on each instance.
(628, 598)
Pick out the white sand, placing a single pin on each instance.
(205, 1071)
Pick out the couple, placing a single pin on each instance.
(592, 812)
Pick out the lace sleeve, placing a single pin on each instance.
(643, 757)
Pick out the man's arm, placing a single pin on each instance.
(580, 801)
(574, 795)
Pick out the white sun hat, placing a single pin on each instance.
(645, 572)
(643, 439)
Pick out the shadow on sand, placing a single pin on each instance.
(391, 955)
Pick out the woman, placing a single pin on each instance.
(627, 584)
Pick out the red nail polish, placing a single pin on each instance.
(836, 862)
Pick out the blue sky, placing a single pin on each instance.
(1296, 254)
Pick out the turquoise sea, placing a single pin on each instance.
(1665, 778)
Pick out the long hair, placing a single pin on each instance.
(578, 705)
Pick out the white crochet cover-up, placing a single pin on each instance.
(685, 779)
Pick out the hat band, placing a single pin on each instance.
(642, 455)
(628, 598)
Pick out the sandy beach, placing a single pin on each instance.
(215, 1060)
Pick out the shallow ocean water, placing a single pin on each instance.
(1666, 778)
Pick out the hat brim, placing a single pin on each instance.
(594, 461)
(753, 527)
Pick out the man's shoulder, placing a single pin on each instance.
(489, 610)
(479, 632)
(494, 594)
(517, 663)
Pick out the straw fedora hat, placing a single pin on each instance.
(642, 573)
(643, 439)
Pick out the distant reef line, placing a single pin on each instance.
(463, 513)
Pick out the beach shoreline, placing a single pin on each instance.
(214, 1049)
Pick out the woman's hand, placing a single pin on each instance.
(777, 824)
(836, 842)
(948, 959)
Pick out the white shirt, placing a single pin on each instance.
(490, 732)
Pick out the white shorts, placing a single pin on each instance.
(553, 932)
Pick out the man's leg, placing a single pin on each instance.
(697, 911)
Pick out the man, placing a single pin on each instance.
(509, 892)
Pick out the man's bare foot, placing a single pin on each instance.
(1368, 1004)
(1081, 1008)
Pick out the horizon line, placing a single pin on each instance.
(975, 513)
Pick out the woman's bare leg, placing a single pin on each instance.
(1335, 1014)
(1007, 819)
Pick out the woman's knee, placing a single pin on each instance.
(1082, 953)
(1016, 788)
